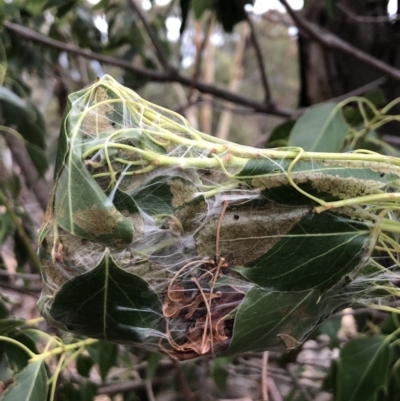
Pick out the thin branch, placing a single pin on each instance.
(187, 392)
(159, 52)
(39, 186)
(362, 19)
(273, 390)
(260, 60)
(264, 376)
(149, 390)
(166, 76)
(32, 291)
(331, 41)
(360, 90)
(200, 51)
(24, 276)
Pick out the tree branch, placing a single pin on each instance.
(166, 76)
(331, 41)
(260, 60)
(38, 185)
(159, 52)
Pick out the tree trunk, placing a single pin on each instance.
(325, 73)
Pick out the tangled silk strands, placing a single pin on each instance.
(161, 236)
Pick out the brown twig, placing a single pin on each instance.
(199, 53)
(273, 390)
(165, 76)
(362, 19)
(39, 186)
(159, 53)
(331, 41)
(33, 291)
(186, 390)
(360, 90)
(260, 60)
(264, 376)
(24, 276)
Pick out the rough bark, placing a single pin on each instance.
(326, 74)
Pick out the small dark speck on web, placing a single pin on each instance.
(236, 217)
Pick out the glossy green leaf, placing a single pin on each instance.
(107, 303)
(362, 368)
(318, 252)
(320, 129)
(265, 317)
(30, 384)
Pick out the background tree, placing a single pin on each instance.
(232, 73)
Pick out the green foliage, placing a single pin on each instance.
(290, 267)
(320, 129)
(30, 384)
(129, 306)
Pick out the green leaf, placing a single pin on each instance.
(83, 365)
(5, 226)
(81, 206)
(18, 358)
(200, 6)
(30, 384)
(84, 209)
(318, 252)
(185, 6)
(108, 303)
(105, 355)
(320, 129)
(363, 367)
(264, 316)
(8, 325)
(331, 328)
(6, 95)
(56, 3)
(230, 12)
(219, 373)
(280, 134)
(38, 157)
(29, 122)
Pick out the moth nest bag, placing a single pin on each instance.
(163, 237)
